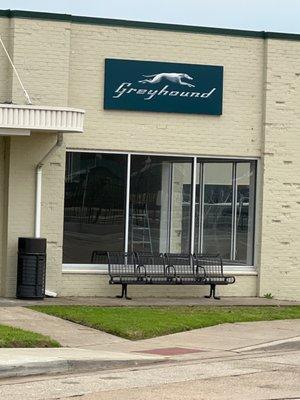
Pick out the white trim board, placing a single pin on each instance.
(139, 153)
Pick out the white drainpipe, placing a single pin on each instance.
(38, 193)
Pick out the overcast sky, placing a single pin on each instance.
(269, 15)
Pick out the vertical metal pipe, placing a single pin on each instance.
(38, 202)
(38, 189)
(127, 202)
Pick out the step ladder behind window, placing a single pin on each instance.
(140, 228)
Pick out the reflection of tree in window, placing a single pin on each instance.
(94, 204)
(145, 189)
(217, 210)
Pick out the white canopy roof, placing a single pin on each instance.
(20, 120)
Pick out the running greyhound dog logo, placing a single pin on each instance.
(169, 76)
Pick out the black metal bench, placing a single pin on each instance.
(212, 268)
(140, 268)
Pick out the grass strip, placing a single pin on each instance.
(137, 323)
(15, 337)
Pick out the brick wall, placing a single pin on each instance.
(97, 285)
(236, 132)
(5, 70)
(280, 254)
(41, 54)
(24, 155)
(2, 208)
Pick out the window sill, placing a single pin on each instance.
(102, 269)
(240, 270)
(98, 269)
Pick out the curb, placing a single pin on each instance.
(68, 366)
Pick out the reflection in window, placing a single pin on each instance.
(217, 210)
(245, 183)
(94, 205)
(160, 204)
(224, 209)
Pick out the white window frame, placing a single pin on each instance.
(72, 268)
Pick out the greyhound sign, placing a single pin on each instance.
(163, 87)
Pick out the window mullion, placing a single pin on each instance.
(193, 211)
(170, 211)
(234, 207)
(201, 206)
(127, 205)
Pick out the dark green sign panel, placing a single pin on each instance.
(163, 87)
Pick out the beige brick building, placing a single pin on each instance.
(243, 165)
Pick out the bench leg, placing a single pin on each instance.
(124, 292)
(210, 293)
(213, 292)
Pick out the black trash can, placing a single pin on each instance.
(31, 268)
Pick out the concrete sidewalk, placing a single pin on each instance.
(149, 301)
(88, 348)
(234, 338)
(68, 334)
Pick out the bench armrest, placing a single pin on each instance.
(230, 279)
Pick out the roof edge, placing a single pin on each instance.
(147, 25)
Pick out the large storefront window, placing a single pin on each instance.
(165, 208)
(94, 205)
